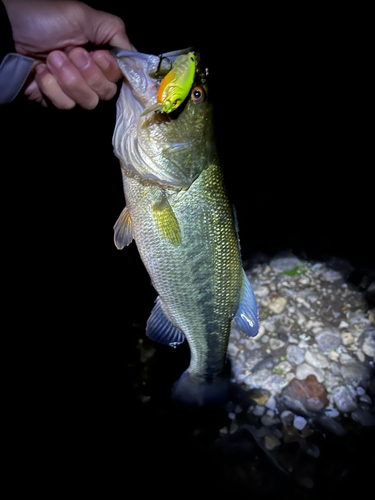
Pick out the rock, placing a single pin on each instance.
(274, 384)
(330, 276)
(277, 305)
(271, 403)
(360, 391)
(252, 358)
(276, 344)
(315, 358)
(328, 424)
(284, 262)
(258, 378)
(347, 338)
(343, 399)
(346, 359)
(363, 417)
(269, 419)
(299, 422)
(311, 394)
(333, 355)
(251, 344)
(258, 410)
(304, 370)
(371, 316)
(365, 399)
(261, 291)
(284, 367)
(355, 371)
(271, 442)
(343, 324)
(328, 339)
(360, 356)
(295, 354)
(332, 412)
(313, 451)
(368, 346)
(259, 396)
(287, 417)
(232, 349)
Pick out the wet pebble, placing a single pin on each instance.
(299, 422)
(295, 354)
(363, 417)
(328, 339)
(304, 370)
(343, 399)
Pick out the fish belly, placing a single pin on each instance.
(198, 280)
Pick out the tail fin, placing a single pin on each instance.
(197, 391)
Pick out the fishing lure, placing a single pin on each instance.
(176, 85)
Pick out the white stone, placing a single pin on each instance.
(277, 305)
(316, 359)
(261, 291)
(299, 422)
(343, 324)
(305, 370)
(347, 338)
(333, 355)
(331, 412)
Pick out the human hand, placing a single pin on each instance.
(55, 33)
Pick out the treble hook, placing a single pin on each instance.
(161, 57)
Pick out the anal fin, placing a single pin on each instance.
(246, 320)
(160, 329)
(123, 230)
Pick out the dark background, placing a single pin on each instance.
(291, 102)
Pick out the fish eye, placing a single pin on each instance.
(197, 95)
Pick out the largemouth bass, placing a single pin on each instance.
(185, 229)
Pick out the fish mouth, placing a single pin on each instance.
(139, 138)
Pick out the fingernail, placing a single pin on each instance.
(39, 68)
(56, 59)
(81, 59)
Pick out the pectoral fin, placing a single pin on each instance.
(160, 329)
(123, 230)
(165, 220)
(247, 318)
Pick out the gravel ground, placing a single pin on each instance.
(302, 414)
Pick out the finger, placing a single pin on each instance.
(33, 93)
(91, 73)
(49, 87)
(107, 64)
(70, 80)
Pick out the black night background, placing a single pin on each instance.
(291, 106)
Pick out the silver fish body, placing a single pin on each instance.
(178, 213)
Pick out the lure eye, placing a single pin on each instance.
(197, 95)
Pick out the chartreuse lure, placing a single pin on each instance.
(176, 85)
